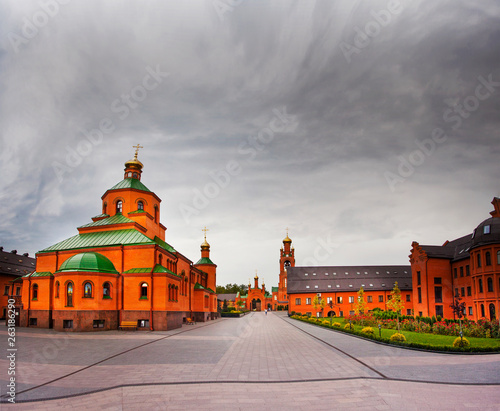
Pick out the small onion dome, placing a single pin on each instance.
(88, 262)
(134, 164)
(287, 239)
(256, 277)
(205, 244)
(488, 232)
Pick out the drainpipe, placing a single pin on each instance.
(427, 286)
(152, 290)
(29, 301)
(119, 289)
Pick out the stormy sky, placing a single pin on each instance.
(360, 125)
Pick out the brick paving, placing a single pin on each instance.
(269, 362)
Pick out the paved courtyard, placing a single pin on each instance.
(266, 362)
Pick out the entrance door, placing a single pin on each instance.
(256, 305)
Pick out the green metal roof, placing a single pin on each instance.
(130, 183)
(100, 239)
(94, 262)
(116, 219)
(158, 269)
(165, 245)
(137, 212)
(274, 289)
(198, 286)
(101, 216)
(205, 260)
(40, 274)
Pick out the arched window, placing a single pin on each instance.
(87, 290)
(34, 295)
(106, 290)
(140, 205)
(488, 258)
(136, 175)
(480, 285)
(478, 260)
(160, 259)
(176, 293)
(119, 206)
(104, 207)
(156, 213)
(144, 290)
(69, 295)
(498, 257)
(129, 174)
(57, 289)
(482, 310)
(490, 284)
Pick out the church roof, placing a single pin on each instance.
(116, 219)
(94, 262)
(106, 238)
(158, 269)
(274, 289)
(348, 278)
(204, 260)
(130, 183)
(227, 297)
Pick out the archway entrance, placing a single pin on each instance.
(492, 312)
(331, 314)
(256, 304)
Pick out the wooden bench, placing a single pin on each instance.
(128, 324)
(190, 321)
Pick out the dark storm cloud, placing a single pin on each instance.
(353, 119)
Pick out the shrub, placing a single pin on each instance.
(461, 343)
(325, 322)
(368, 330)
(423, 327)
(348, 327)
(398, 337)
(336, 324)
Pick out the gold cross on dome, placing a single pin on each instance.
(137, 147)
(287, 231)
(205, 230)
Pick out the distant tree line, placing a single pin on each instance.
(231, 289)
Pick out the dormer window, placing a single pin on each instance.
(140, 205)
(129, 174)
(119, 207)
(135, 175)
(486, 229)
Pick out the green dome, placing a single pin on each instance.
(94, 262)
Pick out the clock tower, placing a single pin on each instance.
(287, 259)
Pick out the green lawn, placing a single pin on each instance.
(430, 339)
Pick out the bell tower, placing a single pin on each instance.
(287, 260)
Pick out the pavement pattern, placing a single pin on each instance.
(265, 361)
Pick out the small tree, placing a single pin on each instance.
(240, 304)
(322, 305)
(395, 303)
(458, 310)
(315, 302)
(359, 306)
(224, 305)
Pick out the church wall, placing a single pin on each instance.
(83, 320)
